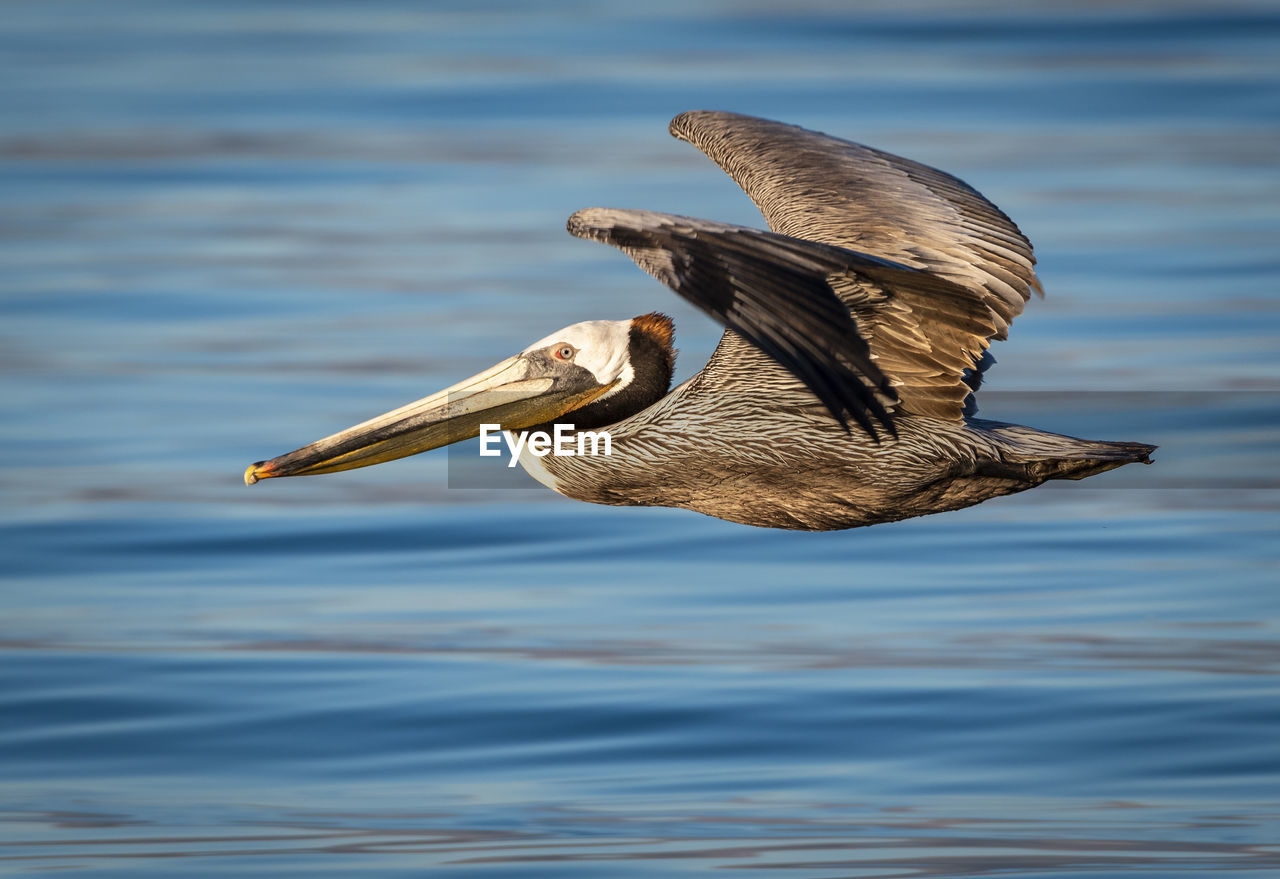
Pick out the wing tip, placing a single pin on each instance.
(589, 223)
(690, 124)
(682, 124)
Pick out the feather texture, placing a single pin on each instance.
(827, 190)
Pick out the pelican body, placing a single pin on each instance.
(842, 391)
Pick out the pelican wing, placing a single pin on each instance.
(821, 188)
(780, 294)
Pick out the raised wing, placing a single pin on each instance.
(779, 293)
(820, 188)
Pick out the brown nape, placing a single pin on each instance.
(658, 327)
(652, 362)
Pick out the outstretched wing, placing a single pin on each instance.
(780, 294)
(823, 189)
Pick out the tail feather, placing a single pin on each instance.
(1036, 455)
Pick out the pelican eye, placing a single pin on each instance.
(565, 352)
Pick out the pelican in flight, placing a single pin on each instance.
(841, 393)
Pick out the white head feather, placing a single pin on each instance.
(603, 346)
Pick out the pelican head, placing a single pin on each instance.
(598, 372)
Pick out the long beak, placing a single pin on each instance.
(506, 394)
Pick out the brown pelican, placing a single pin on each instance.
(872, 300)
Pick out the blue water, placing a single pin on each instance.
(228, 229)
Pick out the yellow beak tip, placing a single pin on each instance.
(251, 474)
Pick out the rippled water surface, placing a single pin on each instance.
(231, 228)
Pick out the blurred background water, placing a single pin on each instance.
(231, 228)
